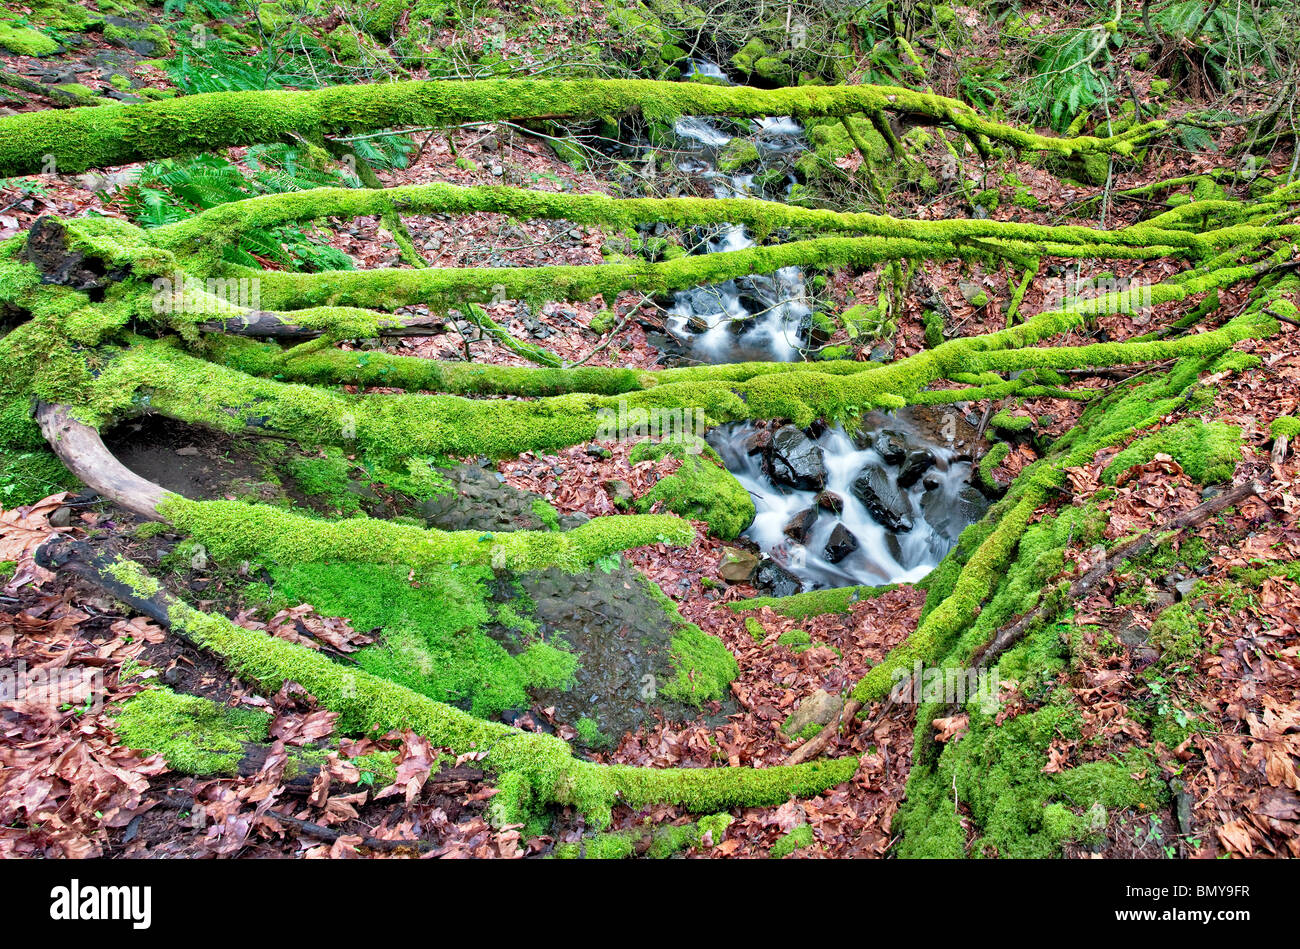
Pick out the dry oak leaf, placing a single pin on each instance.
(954, 726)
(23, 529)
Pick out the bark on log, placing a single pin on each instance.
(84, 453)
(47, 250)
(1278, 455)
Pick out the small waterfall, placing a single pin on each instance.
(827, 535)
(832, 509)
(702, 67)
(759, 317)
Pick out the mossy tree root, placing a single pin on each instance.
(237, 529)
(535, 769)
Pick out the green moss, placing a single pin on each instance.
(76, 88)
(797, 839)
(1177, 633)
(61, 15)
(989, 463)
(150, 39)
(655, 842)
(325, 478)
(703, 667)
(547, 666)
(934, 329)
(1288, 425)
(26, 42)
(589, 734)
(1020, 811)
(813, 602)
(548, 515)
(432, 631)
(797, 639)
(28, 476)
(194, 734)
(738, 154)
(1004, 421)
(1207, 452)
(233, 529)
(701, 488)
(125, 134)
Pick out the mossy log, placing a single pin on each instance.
(78, 139)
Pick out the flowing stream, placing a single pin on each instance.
(882, 505)
(761, 317)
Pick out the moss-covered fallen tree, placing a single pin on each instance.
(78, 139)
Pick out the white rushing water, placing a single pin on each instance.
(755, 317)
(882, 555)
(764, 317)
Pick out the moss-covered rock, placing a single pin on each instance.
(701, 488)
(25, 41)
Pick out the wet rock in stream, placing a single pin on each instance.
(799, 527)
(774, 580)
(830, 501)
(950, 515)
(842, 543)
(917, 463)
(795, 460)
(881, 496)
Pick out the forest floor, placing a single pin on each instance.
(1234, 784)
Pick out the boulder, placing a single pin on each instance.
(842, 542)
(737, 566)
(950, 516)
(820, 708)
(892, 447)
(795, 460)
(882, 498)
(799, 527)
(775, 580)
(620, 492)
(917, 463)
(757, 442)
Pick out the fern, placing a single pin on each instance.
(1066, 80)
(171, 190)
(1231, 36)
(212, 9)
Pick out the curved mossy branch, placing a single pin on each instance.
(80, 139)
(544, 768)
(259, 532)
(255, 531)
(84, 453)
(225, 223)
